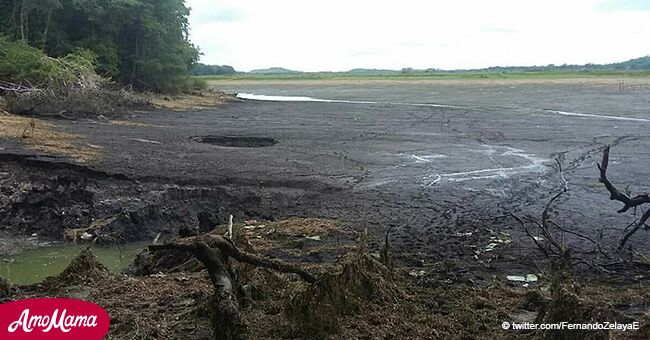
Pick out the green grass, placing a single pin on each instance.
(433, 76)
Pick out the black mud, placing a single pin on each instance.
(236, 141)
(436, 177)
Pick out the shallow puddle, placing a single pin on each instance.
(34, 265)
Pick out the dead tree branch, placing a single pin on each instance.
(628, 202)
(535, 239)
(565, 255)
(556, 250)
(584, 237)
(615, 194)
(9, 87)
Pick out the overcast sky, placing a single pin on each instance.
(336, 35)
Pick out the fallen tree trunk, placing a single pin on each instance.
(214, 252)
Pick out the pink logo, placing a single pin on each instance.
(52, 318)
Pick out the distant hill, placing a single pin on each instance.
(274, 70)
(638, 64)
(371, 71)
(642, 63)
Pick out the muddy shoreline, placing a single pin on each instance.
(441, 181)
(425, 173)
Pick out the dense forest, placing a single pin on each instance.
(212, 70)
(143, 43)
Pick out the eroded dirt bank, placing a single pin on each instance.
(57, 199)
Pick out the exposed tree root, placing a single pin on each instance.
(214, 251)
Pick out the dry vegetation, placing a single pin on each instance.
(195, 101)
(39, 135)
(596, 81)
(43, 136)
(355, 296)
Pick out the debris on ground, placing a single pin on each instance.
(362, 283)
(5, 289)
(84, 269)
(354, 297)
(518, 278)
(187, 102)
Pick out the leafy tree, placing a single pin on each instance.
(139, 42)
(204, 70)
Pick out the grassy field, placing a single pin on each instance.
(436, 76)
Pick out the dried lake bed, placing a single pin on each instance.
(428, 160)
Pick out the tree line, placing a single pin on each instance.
(212, 70)
(143, 43)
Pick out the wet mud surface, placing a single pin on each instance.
(435, 176)
(235, 141)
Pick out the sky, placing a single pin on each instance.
(339, 35)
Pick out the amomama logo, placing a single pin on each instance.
(52, 318)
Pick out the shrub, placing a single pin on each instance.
(67, 85)
(30, 67)
(199, 83)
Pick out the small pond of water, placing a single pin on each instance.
(35, 264)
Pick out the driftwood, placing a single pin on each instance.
(9, 87)
(628, 202)
(214, 251)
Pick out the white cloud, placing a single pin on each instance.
(339, 35)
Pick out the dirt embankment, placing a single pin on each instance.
(53, 193)
(57, 200)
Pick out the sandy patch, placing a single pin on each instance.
(43, 136)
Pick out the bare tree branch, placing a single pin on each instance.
(615, 194)
(628, 202)
(585, 237)
(523, 225)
